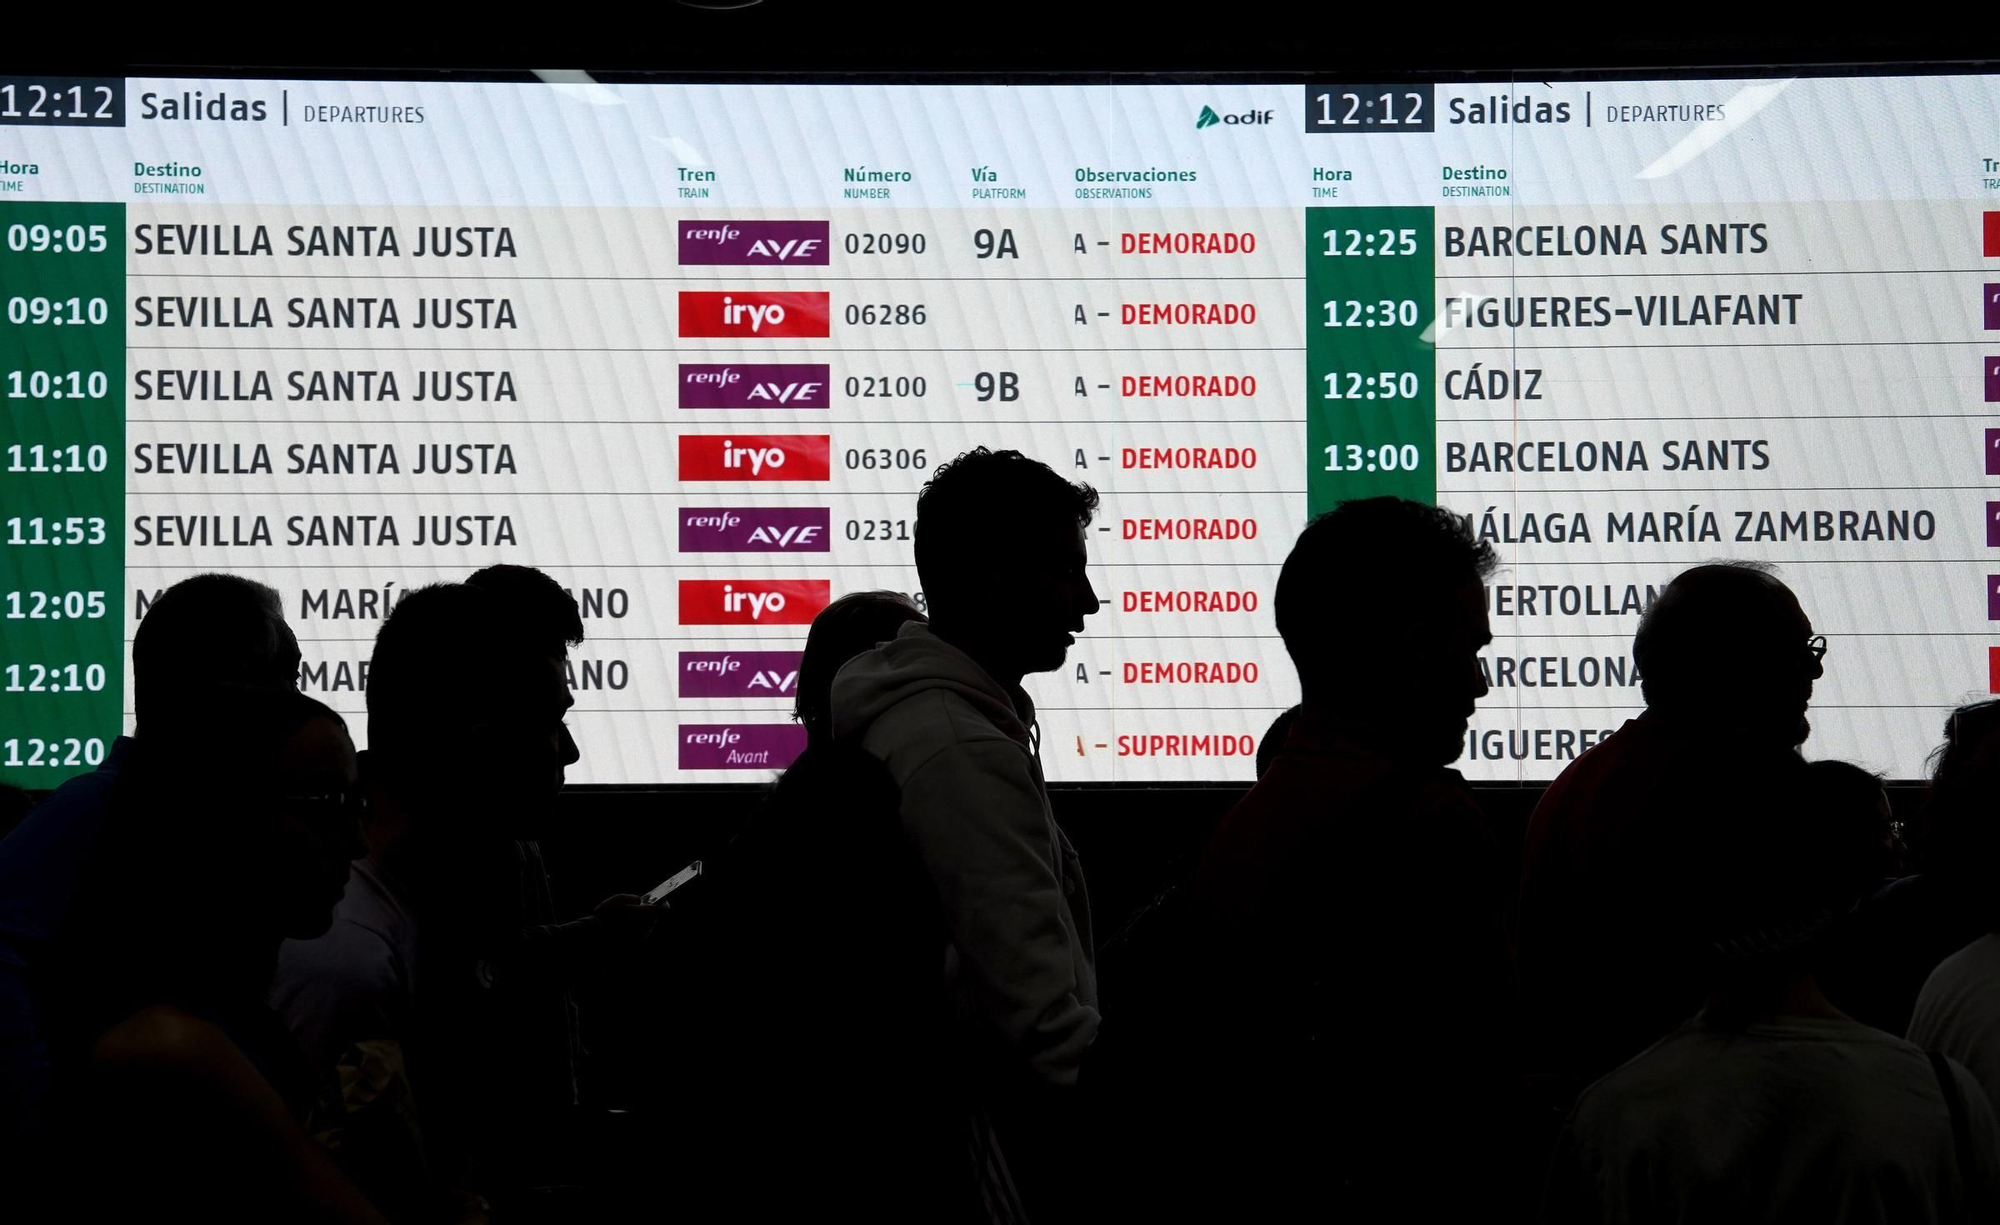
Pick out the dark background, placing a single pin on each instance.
(608, 840)
(1287, 41)
(687, 38)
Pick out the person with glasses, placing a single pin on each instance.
(1728, 660)
(178, 1093)
(202, 630)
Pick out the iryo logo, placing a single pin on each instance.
(754, 314)
(755, 457)
(752, 601)
(739, 674)
(755, 386)
(754, 243)
(756, 529)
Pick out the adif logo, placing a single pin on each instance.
(1208, 118)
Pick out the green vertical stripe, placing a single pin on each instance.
(1388, 430)
(47, 736)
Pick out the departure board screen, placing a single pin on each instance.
(693, 349)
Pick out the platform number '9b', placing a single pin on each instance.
(1004, 386)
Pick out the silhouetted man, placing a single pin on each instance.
(1728, 659)
(424, 990)
(547, 618)
(1355, 991)
(1000, 549)
(209, 629)
(542, 956)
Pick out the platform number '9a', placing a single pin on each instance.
(991, 245)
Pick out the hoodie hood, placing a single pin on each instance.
(974, 807)
(914, 663)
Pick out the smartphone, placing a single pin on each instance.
(673, 882)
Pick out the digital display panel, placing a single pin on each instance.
(693, 349)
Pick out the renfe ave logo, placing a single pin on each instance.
(756, 529)
(739, 674)
(741, 385)
(754, 243)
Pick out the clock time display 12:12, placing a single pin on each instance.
(1408, 107)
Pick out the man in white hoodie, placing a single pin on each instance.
(1001, 553)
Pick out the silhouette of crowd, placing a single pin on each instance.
(247, 974)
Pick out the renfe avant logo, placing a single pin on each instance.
(755, 457)
(739, 674)
(734, 385)
(740, 746)
(752, 601)
(1208, 118)
(755, 529)
(754, 243)
(754, 314)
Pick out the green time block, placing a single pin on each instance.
(1371, 361)
(62, 488)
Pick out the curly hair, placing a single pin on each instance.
(974, 509)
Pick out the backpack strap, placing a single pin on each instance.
(1954, 1102)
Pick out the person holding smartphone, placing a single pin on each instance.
(440, 991)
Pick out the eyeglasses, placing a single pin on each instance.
(1817, 645)
(1980, 713)
(327, 805)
